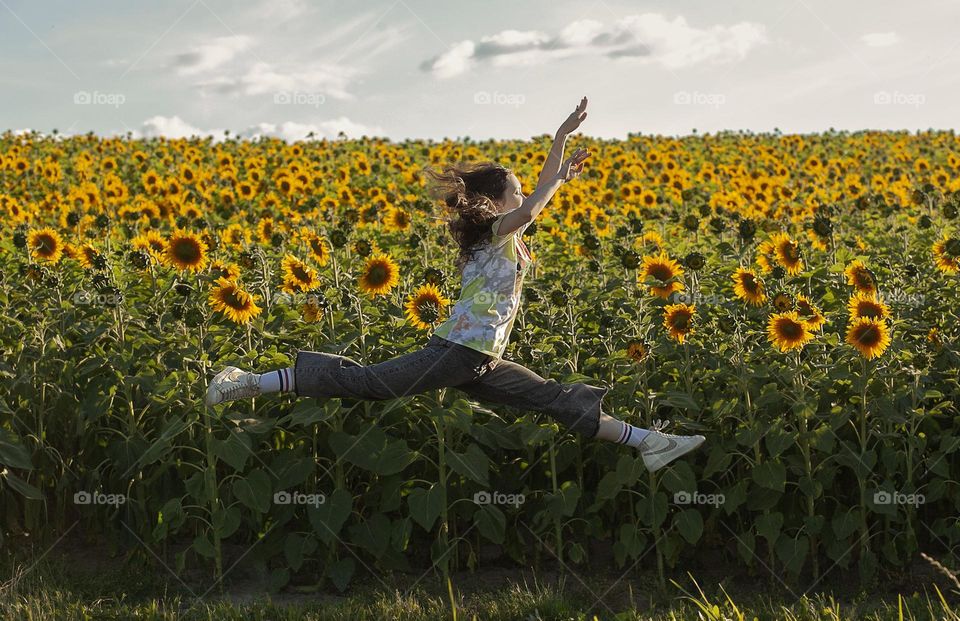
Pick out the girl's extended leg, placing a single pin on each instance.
(318, 374)
(577, 407)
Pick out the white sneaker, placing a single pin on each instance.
(659, 449)
(232, 383)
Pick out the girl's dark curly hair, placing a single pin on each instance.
(468, 191)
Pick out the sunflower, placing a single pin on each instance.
(186, 251)
(638, 350)
(231, 300)
(766, 256)
(946, 252)
(311, 310)
(423, 308)
(820, 243)
(678, 318)
(666, 271)
(236, 235)
(88, 256)
(298, 276)
(222, 269)
(809, 313)
(782, 302)
(747, 286)
(788, 331)
(265, 229)
(152, 242)
(318, 248)
(860, 277)
(396, 219)
(380, 274)
(867, 305)
(787, 253)
(45, 245)
(70, 251)
(652, 238)
(869, 336)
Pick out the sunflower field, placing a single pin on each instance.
(794, 298)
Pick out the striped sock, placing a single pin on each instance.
(280, 380)
(630, 435)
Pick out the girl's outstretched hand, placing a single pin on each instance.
(573, 165)
(576, 117)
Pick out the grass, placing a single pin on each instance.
(80, 587)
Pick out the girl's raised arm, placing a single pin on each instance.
(554, 159)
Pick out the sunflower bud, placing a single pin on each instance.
(695, 261)
(138, 259)
(433, 276)
(193, 317)
(630, 259)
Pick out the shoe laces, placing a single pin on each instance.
(659, 425)
(242, 385)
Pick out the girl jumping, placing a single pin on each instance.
(490, 214)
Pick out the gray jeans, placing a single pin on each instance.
(441, 363)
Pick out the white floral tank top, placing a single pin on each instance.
(490, 296)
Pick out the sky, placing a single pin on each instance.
(498, 69)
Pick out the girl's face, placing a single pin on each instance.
(512, 195)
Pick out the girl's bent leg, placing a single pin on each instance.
(575, 406)
(324, 375)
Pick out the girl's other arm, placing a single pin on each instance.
(538, 199)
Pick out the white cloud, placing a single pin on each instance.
(210, 56)
(454, 61)
(172, 127)
(290, 131)
(262, 78)
(650, 37)
(330, 79)
(880, 39)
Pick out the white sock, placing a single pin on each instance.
(280, 380)
(630, 435)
